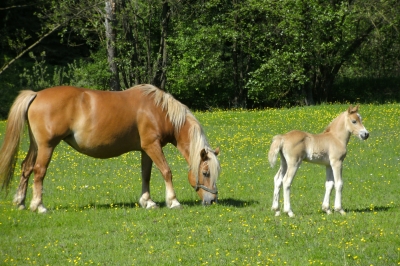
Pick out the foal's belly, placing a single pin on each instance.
(317, 158)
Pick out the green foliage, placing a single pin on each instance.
(94, 217)
(197, 74)
(38, 77)
(92, 74)
(223, 54)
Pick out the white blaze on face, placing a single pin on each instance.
(363, 134)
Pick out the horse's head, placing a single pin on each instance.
(354, 123)
(204, 182)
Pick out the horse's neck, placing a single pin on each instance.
(338, 129)
(183, 141)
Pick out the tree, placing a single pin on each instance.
(110, 24)
(160, 77)
(312, 40)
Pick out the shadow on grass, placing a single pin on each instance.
(373, 209)
(185, 203)
(224, 202)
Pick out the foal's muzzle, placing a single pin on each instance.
(364, 135)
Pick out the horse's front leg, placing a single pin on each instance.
(154, 151)
(337, 174)
(329, 183)
(145, 200)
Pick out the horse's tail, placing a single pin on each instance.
(276, 147)
(14, 130)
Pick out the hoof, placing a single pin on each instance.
(341, 211)
(291, 214)
(152, 207)
(21, 207)
(42, 210)
(277, 213)
(147, 204)
(177, 207)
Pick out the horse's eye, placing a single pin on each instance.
(354, 122)
(206, 174)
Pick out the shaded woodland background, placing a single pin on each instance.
(208, 54)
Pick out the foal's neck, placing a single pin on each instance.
(337, 128)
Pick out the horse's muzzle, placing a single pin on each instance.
(209, 200)
(364, 135)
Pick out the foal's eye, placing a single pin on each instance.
(354, 122)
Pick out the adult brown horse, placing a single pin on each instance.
(104, 124)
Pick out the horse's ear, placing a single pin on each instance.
(352, 109)
(203, 155)
(216, 152)
(349, 110)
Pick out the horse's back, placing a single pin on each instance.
(97, 123)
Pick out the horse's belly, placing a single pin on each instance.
(317, 158)
(103, 148)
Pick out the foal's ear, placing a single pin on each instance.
(352, 109)
(203, 155)
(216, 152)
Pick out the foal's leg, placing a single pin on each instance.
(278, 179)
(277, 187)
(328, 189)
(337, 174)
(155, 152)
(39, 170)
(145, 200)
(287, 182)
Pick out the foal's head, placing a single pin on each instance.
(205, 181)
(354, 123)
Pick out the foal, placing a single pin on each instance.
(327, 148)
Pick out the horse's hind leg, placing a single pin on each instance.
(39, 170)
(329, 183)
(145, 200)
(337, 174)
(277, 185)
(287, 182)
(20, 195)
(26, 170)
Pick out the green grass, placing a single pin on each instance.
(94, 217)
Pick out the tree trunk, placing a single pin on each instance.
(160, 71)
(111, 50)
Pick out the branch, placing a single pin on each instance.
(10, 7)
(5, 66)
(27, 49)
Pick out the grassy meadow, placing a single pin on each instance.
(94, 217)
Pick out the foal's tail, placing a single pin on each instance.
(276, 147)
(14, 130)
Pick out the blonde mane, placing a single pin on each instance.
(178, 113)
(197, 143)
(334, 121)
